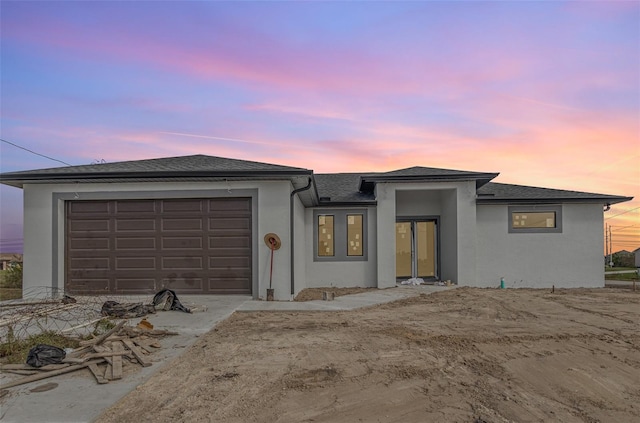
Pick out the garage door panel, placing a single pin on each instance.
(89, 207)
(186, 263)
(182, 243)
(135, 286)
(221, 242)
(229, 262)
(90, 225)
(225, 204)
(182, 206)
(230, 252)
(137, 263)
(187, 285)
(229, 223)
(135, 225)
(91, 285)
(194, 224)
(89, 244)
(90, 263)
(139, 246)
(135, 206)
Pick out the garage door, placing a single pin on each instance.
(194, 246)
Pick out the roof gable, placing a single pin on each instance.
(424, 174)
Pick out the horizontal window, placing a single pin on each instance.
(340, 235)
(535, 219)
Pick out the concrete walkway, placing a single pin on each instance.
(346, 302)
(78, 398)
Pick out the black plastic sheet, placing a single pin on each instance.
(43, 354)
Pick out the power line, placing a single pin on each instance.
(37, 154)
(611, 217)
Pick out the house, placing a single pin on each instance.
(636, 255)
(9, 259)
(202, 225)
(623, 258)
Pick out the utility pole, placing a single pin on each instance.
(610, 249)
(606, 244)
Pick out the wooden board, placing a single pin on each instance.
(95, 370)
(137, 353)
(117, 359)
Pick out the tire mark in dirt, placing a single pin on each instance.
(586, 310)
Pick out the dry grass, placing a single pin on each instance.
(10, 293)
(15, 350)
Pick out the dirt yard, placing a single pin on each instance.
(462, 355)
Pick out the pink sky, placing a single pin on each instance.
(546, 93)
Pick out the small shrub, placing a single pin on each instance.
(103, 326)
(12, 277)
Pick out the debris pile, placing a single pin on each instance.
(104, 356)
(76, 316)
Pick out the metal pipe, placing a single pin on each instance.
(291, 231)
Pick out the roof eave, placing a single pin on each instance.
(347, 203)
(367, 183)
(592, 200)
(19, 180)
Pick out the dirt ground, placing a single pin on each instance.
(462, 355)
(311, 294)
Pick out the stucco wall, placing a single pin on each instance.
(342, 274)
(44, 239)
(569, 259)
(422, 203)
(38, 238)
(300, 246)
(386, 240)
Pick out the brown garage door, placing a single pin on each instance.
(194, 246)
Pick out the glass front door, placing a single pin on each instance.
(416, 249)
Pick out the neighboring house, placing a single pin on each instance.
(9, 259)
(636, 255)
(197, 224)
(623, 258)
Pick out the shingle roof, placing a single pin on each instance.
(341, 188)
(173, 167)
(494, 192)
(198, 162)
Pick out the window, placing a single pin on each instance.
(535, 219)
(340, 235)
(354, 234)
(325, 236)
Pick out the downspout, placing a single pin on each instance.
(291, 225)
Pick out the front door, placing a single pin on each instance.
(416, 249)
